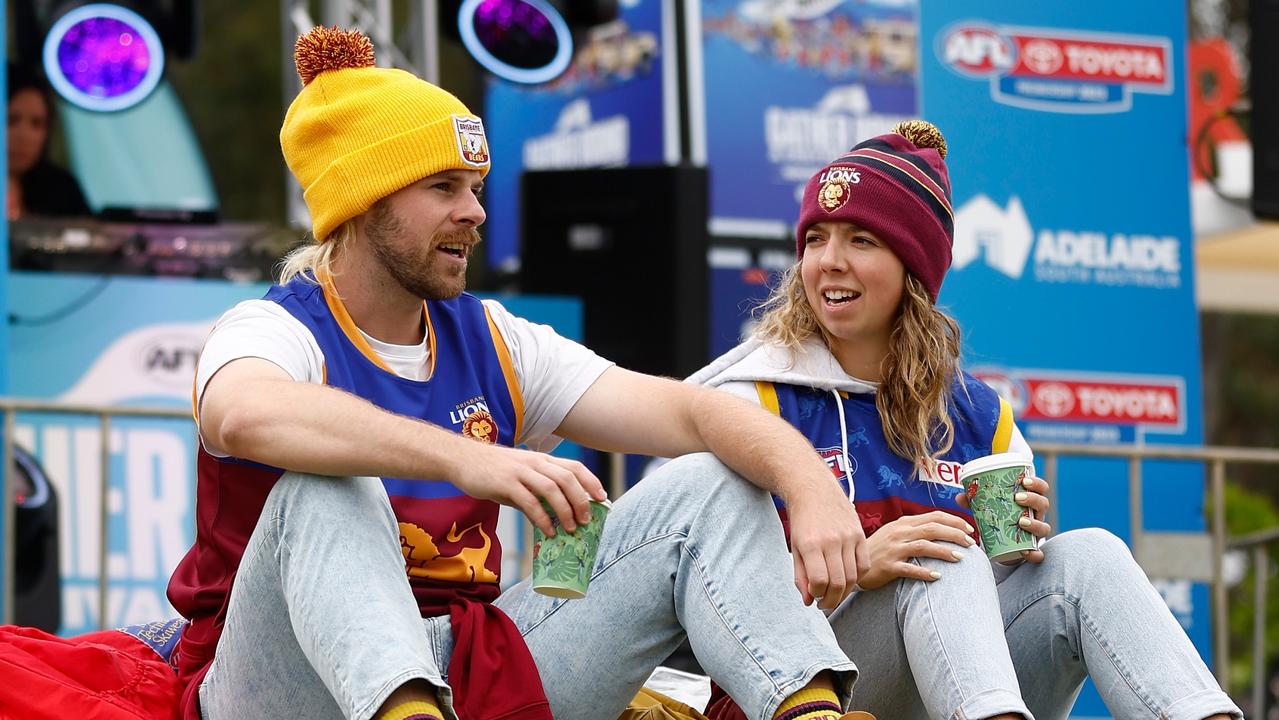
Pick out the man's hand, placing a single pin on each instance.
(931, 535)
(828, 546)
(519, 477)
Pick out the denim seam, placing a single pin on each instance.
(776, 697)
(281, 548)
(604, 568)
(932, 618)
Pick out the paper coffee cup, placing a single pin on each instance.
(562, 563)
(991, 482)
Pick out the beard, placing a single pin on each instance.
(416, 267)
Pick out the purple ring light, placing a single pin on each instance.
(103, 57)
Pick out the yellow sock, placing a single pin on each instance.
(413, 710)
(809, 704)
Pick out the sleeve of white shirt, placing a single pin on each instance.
(260, 329)
(553, 371)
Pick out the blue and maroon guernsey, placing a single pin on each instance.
(449, 539)
(886, 487)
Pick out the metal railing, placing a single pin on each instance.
(10, 407)
(1142, 541)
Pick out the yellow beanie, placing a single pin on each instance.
(357, 133)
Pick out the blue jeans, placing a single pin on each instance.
(964, 648)
(322, 624)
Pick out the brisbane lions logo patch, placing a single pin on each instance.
(836, 186)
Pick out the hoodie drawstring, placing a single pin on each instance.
(843, 443)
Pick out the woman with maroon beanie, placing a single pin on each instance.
(853, 350)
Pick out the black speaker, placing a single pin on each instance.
(1263, 84)
(631, 242)
(37, 581)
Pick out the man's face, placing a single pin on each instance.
(423, 234)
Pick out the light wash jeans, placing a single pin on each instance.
(962, 648)
(322, 623)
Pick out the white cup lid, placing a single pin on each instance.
(992, 462)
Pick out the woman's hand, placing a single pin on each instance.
(933, 535)
(1033, 495)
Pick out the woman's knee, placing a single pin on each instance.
(1090, 554)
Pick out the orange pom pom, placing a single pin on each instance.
(923, 134)
(331, 49)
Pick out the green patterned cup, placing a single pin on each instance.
(991, 482)
(562, 563)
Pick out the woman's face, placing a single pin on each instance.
(854, 283)
(28, 129)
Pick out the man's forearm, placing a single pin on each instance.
(317, 429)
(759, 446)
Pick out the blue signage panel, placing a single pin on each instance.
(1073, 265)
(614, 106)
(789, 85)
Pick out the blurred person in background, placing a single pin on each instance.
(37, 186)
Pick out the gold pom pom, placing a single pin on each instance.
(923, 133)
(331, 49)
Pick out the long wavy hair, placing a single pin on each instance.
(914, 397)
(315, 259)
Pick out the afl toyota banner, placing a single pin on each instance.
(101, 340)
(1073, 259)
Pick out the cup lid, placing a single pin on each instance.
(992, 462)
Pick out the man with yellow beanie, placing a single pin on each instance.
(359, 428)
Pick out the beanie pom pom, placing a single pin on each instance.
(923, 134)
(324, 49)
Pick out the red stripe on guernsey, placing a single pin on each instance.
(909, 169)
(875, 514)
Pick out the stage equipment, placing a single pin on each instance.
(632, 243)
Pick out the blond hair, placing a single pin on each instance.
(914, 397)
(315, 258)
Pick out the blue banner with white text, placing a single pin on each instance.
(1073, 265)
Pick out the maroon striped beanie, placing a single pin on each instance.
(896, 186)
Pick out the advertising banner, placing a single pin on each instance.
(100, 340)
(1073, 266)
(614, 106)
(788, 86)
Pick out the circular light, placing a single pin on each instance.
(103, 57)
(524, 41)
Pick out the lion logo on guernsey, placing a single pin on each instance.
(1057, 70)
(480, 426)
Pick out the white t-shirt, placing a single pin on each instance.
(553, 371)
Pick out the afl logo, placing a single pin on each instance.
(976, 51)
(479, 425)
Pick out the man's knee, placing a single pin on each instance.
(350, 499)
